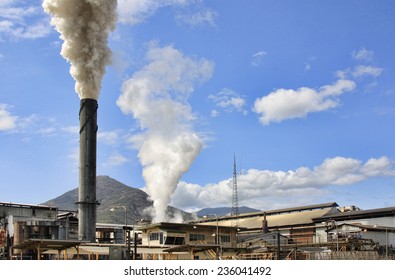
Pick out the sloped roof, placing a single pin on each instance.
(280, 220)
(360, 214)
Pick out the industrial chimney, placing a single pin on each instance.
(84, 26)
(87, 202)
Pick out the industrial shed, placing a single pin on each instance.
(296, 223)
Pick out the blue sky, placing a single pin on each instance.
(302, 92)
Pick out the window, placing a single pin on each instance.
(225, 238)
(196, 237)
(154, 236)
(174, 240)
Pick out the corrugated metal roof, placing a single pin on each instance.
(279, 220)
(359, 214)
(322, 206)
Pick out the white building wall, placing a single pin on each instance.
(320, 235)
(376, 236)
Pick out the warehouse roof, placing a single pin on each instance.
(359, 214)
(282, 219)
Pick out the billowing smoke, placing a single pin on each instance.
(84, 26)
(157, 97)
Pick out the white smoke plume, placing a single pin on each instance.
(84, 26)
(157, 97)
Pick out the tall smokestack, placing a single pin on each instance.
(87, 202)
(84, 26)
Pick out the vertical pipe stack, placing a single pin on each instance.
(87, 202)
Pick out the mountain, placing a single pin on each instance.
(224, 211)
(110, 193)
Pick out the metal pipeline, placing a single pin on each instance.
(87, 202)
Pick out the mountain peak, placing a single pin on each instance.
(110, 193)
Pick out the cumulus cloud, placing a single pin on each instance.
(283, 104)
(7, 120)
(259, 188)
(20, 21)
(228, 100)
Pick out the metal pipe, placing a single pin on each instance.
(278, 245)
(87, 202)
(386, 243)
(135, 246)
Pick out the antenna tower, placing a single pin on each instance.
(235, 199)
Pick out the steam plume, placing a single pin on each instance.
(84, 25)
(157, 97)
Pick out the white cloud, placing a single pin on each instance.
(257, 58)
(136, 11)
(366, 70)
(360, 71)
(109, 137)
(228, 100)
(203, 17)
(71, 129)
(116, 159)
(32, 124)
(363, 55)
(19, 21)
(214, 113)
(6, 3)
(283, 104)
(17, 13)
(7, 120)
(259, 188)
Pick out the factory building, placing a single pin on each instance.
(22, 221)
(321, 231)
(43, 232)
(175, 241)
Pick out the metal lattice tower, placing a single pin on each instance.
(235, 199)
